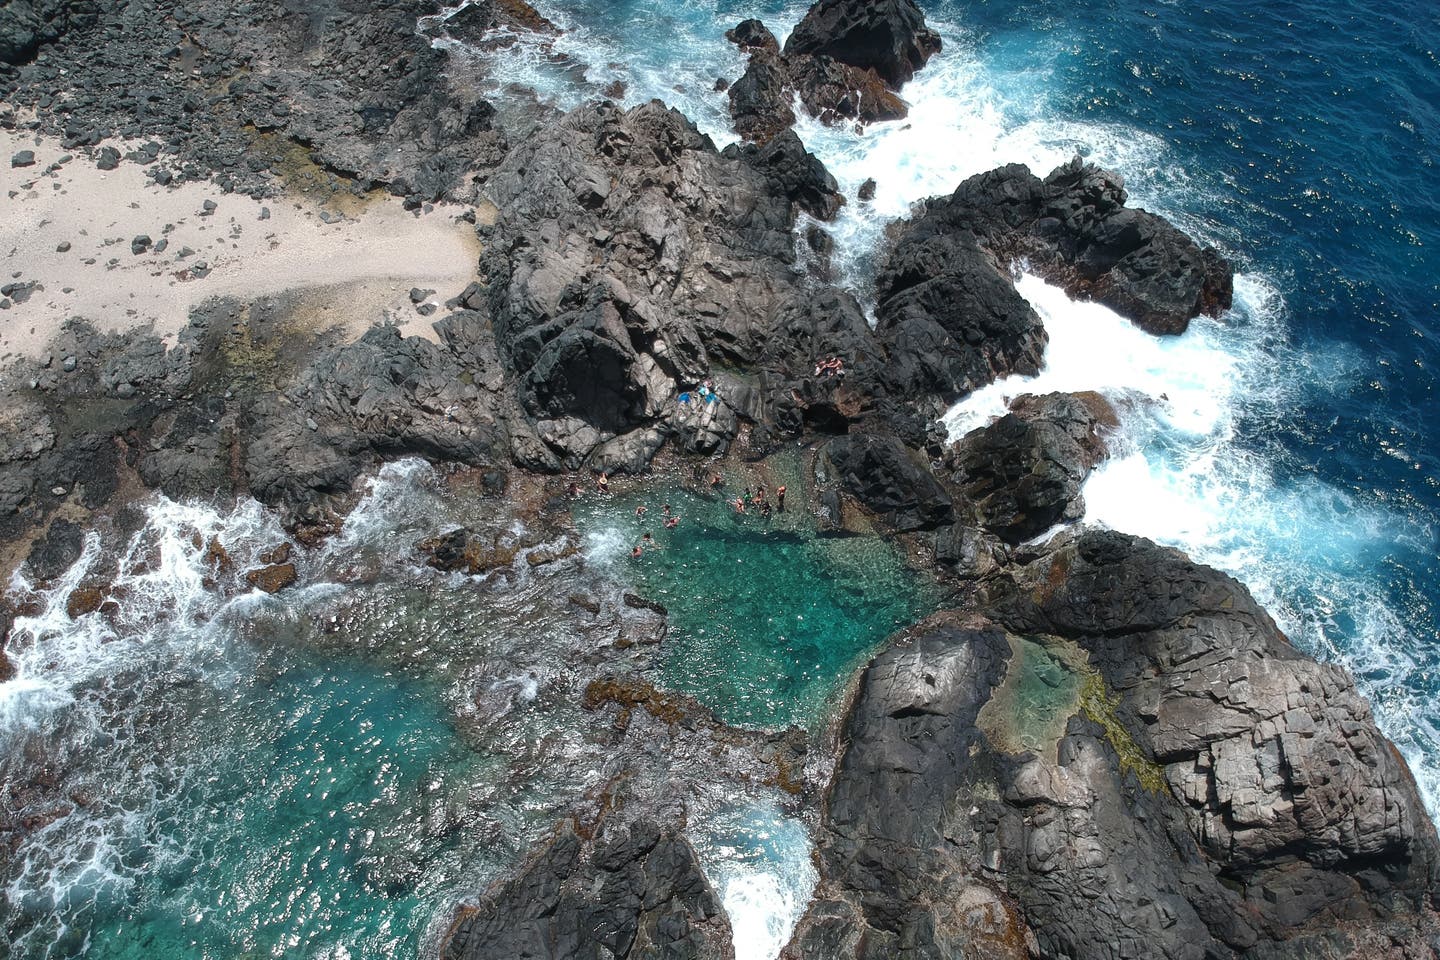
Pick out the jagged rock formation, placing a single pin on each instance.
(629, 887)
(1187, 786)
(844, 61)
(628, 258)
(1073, 228)
(1023, 473)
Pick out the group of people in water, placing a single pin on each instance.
(757, 499)
(647, 542)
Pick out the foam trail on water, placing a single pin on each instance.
(760, 862)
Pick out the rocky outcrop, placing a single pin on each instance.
(1022, 474)
(272, 578)
(494, 23)
(888, 480)
(1121, 757)
(628, 887)
(888, 37)
(260, 97)
(844, 61)
(27, 25)
(1074, 229)
(629, 256)
(951, 317)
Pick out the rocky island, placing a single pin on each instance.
(1087, 745)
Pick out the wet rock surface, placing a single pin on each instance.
(844, 61)
(1023, 472)
(1074, 228)
(628, 887)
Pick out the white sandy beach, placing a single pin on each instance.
(364, 265)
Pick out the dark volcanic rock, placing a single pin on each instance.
(624, 888)
(1149, 815)
(628, 256)
(488, 23)
(951, 318)
(55, 552)
(1022, 474)
(24, 158)
(891, 885)
(325, 97)
(27, 25)
(888, 37)
(844, 61)
(1072, 227)
(889, 480)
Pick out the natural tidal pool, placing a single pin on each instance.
(204, 771)
(769, 618)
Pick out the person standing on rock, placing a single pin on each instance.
(780, 497)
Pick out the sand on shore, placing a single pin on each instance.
(364, 265)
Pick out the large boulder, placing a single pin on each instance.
(1120, 757)
(632, 890)
(1022, 474)
(889, 37)
(888, 479)
(1073, 228)
(952, 320)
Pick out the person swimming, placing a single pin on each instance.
(672, 522)
(603, 483)
(640, 510)
(638, 551)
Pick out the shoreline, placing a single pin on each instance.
(369, 257)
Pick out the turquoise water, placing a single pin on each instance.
(310, 829)
(319, 774)
(768, 620)
(324, 773)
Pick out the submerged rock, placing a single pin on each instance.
(272, 579)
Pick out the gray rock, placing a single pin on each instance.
(63, 246)
(889, 480)
(108, 158)
(1022, 474)
(140, 244)
(24, 158)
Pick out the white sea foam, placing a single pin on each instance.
(760, 862)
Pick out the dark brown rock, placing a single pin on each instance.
(272, 579)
